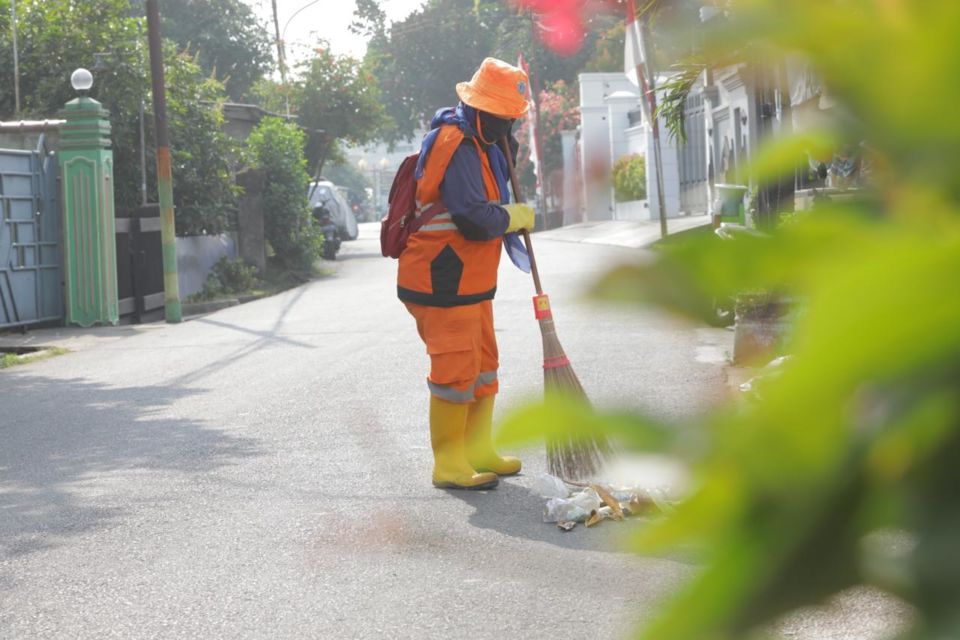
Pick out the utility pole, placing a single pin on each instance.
(650, 91)
(281, 58)
(143, 127)
(16, 58)
(168, 237)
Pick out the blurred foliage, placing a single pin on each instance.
(276, 148)
(860, 431)
(630, 178)
(231, 43)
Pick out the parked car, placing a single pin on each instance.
(327, 195)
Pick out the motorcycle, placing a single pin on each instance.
(331, 239)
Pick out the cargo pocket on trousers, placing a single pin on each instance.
(453, 361)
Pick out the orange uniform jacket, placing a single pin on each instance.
(439, 267)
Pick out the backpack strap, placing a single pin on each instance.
(428, 186)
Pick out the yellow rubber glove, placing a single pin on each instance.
(521, 217)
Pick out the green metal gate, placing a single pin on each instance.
(30, 281)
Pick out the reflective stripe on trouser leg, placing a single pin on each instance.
(450, 393)
(485, 385)
(463, 350)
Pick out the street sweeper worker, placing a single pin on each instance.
(447, 275)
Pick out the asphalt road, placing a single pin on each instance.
(264, 472)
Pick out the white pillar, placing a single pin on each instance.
(571, 194)
(619, 106)
(671, 172)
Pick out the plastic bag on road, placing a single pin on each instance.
(548, 486)
(576, 508)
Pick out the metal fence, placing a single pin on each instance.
(30, 255)
(693, 157)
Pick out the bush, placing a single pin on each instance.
(630, 178)
(228, 277)
(276, 148)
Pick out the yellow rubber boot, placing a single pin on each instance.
(450, 467)
(480, 451)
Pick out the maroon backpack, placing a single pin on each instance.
(403, 217)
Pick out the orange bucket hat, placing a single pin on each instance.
(497, 88)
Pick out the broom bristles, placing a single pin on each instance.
(568, 457)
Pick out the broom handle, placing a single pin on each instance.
(505, 147)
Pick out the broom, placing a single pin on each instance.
(567, 457)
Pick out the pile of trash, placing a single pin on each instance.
(594, 503)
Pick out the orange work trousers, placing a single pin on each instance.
(462, 349)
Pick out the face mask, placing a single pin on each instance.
(493, 128)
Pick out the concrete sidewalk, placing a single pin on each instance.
(634, 234)
(73, 338)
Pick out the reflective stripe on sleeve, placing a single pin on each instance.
(440, 222)
(443, 226)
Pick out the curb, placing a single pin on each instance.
(200, 308)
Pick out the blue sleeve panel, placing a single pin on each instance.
(466, 199)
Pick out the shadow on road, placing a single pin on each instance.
(67, 441)
(264, 339)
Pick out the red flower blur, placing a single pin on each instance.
(562, 24)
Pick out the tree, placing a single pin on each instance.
(205, 195)
(336, 99)
(276, 148)
(608, 53)
(424, 57)
(270, 95)
(418, 61)
(559, 111)
(230, 40)
(57, 36)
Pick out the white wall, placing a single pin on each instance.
(632, 210)
(196, 256)
(595, 140)
(619, 105)
(637, 140)
(671, 176)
